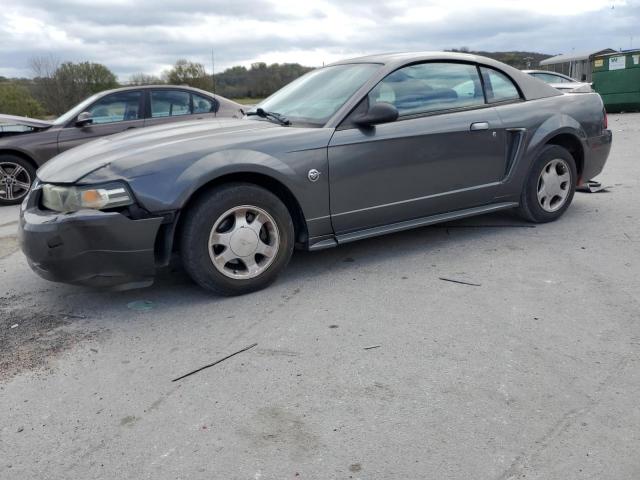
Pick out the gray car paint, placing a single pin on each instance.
(391, 177)
(49, 140)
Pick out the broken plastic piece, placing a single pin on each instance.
(140, 305)
(592, 187)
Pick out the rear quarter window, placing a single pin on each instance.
(170, 103)
(498, 87)
(202, 104)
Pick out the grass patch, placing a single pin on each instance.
(248, 101)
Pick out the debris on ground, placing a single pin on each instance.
(592, 187)
(462, 282)
(42, 336)
(140, 305)
(215, 363)
(372, 347)
(490, 225)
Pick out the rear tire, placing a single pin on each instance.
(236, 239)
(16, 177)
(550, 186)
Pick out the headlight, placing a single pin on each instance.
(71, 199)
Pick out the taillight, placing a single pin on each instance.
(605, 120)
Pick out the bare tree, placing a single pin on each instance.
(46, 85)
(59, 86)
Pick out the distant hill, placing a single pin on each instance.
(519, 60)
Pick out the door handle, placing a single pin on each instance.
(130, 128)
(479, 126)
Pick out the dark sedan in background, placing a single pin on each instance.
(26, 143)
(356, 149)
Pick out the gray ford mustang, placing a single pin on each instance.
(353, 150)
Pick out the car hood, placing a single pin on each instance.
(28, 122)
(137, 152)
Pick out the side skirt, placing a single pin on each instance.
(324, 243)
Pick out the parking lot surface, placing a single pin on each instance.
(531, 372)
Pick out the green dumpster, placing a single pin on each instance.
(616, 77)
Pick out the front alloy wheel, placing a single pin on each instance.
(243, 242)
(236, 238)
(16, 177)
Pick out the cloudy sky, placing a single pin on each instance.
(132, 36)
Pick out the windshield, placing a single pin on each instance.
(75, 111)
(316, 96)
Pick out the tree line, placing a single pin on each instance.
(57, 86)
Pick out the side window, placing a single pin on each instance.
(202, 104)
(498, 86)
(558, 79)
(430, 87)
(116, 107)
(544, 77)
(169, 103)
(548, 78)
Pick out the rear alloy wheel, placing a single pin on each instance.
(554, 185)
(236, 239)
(16, 177)
(549, 189)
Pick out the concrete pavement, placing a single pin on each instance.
(533, 373)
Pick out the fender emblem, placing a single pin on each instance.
(313, 175)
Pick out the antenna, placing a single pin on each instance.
(213, 83)
(213, 72)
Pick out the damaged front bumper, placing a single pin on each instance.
(88, 247)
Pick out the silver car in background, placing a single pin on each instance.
(560, 81)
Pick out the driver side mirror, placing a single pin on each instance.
(84, 119)
(381, 112)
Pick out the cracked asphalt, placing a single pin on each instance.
(534, 373)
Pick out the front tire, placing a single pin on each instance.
(16, 177)
(236, 239)
(550, 186)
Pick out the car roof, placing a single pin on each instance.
(531, 88)
(403, 57)
(167, 87)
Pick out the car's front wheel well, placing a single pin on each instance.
(264, 181)
(17, 153)
(572, 144)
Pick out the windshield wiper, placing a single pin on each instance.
(282, 120)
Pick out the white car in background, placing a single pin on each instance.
(560, 81)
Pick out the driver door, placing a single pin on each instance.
(445, 152)
(111, 114)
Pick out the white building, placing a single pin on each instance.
(577, 65)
